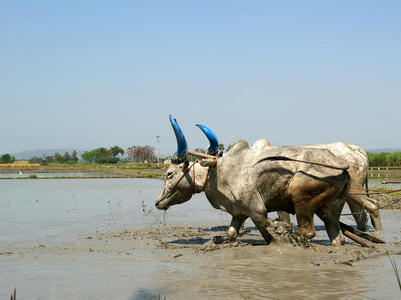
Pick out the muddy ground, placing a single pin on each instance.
(103, 239)
(177, 262)
(200, 241)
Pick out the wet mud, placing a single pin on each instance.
(201, 240)
(386, 201)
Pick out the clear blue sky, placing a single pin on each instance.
(86, 74)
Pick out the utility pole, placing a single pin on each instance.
(157, 148)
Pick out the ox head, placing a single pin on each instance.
(178, 185)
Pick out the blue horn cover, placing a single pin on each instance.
(181, 141)
(214, 143)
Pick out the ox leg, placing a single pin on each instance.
(235, 227)
(262, 223)
(371, 206)
(305, 221)
(284, 216)
(358, 212)
(300, 189)
(373, 209)
(376, 220)
(330, 215)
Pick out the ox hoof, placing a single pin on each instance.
(338, 241)
(378, 233)
(232, 234)
(309, 234)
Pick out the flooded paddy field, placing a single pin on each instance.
(24, 175)
(104, 239)
(385, 178)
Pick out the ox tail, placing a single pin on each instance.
(347, 186)
(366, 182)
(284, 158)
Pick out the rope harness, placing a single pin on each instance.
(204, 181)
(372, 192)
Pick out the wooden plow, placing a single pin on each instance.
(359, 236)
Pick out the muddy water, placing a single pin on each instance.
(103, 239)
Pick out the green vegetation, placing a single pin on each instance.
(384, 159)
(395, 268)
(98, 155)
(102, 155)
(14, 295)
(6, 159)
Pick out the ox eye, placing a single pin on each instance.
(169, 175)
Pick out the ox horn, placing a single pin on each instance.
(214, 143)
(182, 147)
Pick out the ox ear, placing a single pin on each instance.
(209, 162)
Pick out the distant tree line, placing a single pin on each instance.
(137, 154)
(99, 155)
(56, 158)
(384, 159)
(7, 159)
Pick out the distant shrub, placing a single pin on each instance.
(102, 155)
(6, 159)
(33, 176)
(107, 160)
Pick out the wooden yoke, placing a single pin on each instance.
(208, 160)
(203, 155)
